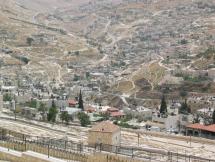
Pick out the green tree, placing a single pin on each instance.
(52, 114)
(76, 78)
(43, 110)
(80, 102)
(84, 119)
(184, 109)
(64, 116)
(183, 93)
(163, 107)
(87, 75)
(196, 119)
(184, 41)
(213, 117)
(29, 41)
(32, 103)
(7, 97)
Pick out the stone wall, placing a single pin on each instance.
(99, 137)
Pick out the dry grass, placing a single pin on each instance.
(203, 63)
(153, 72)
(125, 86)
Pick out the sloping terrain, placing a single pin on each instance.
(149, 39)
(49, 48)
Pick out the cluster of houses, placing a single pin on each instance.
(95, 79)
(140, 117)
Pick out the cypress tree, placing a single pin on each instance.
(184, 109)
(80, 102)
(163, 107)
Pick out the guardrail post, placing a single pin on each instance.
(150, 156)
(100, 147)
(25, 144)
(48, 150)
(2, 134)
(81, 146)
(65, 145)
(23, 137)
(116, 150)
(132, 155)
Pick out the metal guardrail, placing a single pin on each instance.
(52, 146)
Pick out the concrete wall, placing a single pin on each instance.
(29, 156)
(103, 137)
(211, 73)
(116, 138)
(171, 123)
(158, 119)
(23, 99)
(98, 157)
(99, 137)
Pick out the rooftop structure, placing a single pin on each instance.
(104, 133)
(201, 130)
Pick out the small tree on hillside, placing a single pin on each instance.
(43, 110)
(163, 107)
(80, 102)
(184, 109)
(84, 119)
(32, 103)
(64, 116)
(52, 114)
(196, 119)
(7, 97)
(29, 41)
(183, 93)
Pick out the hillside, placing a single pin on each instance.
(136, 40)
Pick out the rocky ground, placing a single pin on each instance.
(142, 43)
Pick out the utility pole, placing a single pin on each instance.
(14, 106)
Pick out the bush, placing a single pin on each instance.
(207, 53)
(7, 97)
(184, 41)
(84, 119)
(52, 114)
(195, 79)
(32, 103)
(65, 117)
(23, 59)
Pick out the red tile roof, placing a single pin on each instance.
(117, 114)
(209, 128)
(195, 126)
(106, 127)
(72, 102)
(112, 109)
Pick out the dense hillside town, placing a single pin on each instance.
(128, 77)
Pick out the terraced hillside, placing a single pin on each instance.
(138, 42)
